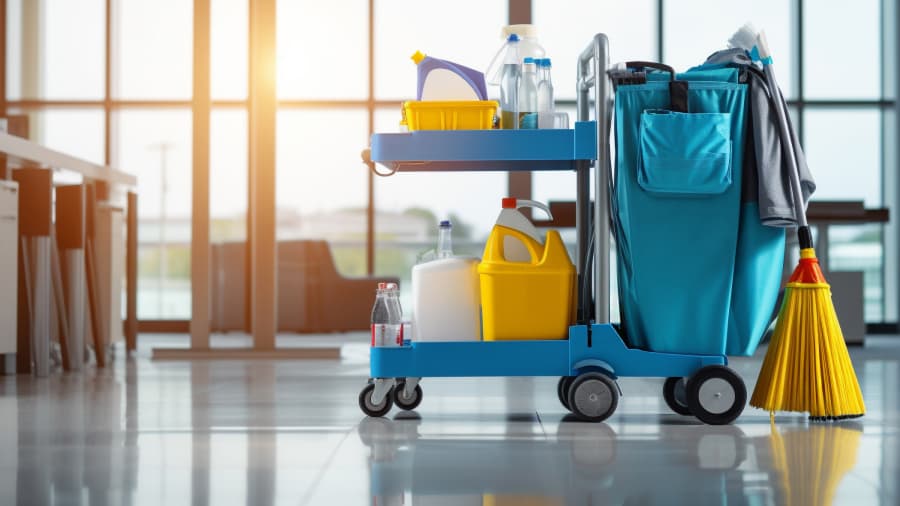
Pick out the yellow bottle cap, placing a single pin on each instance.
(417, 57)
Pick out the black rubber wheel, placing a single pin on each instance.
(593, 396)
(371, 409)
(407, 403)
(562, 390)
(675, 394)
(716, 395)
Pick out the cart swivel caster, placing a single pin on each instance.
(716, 395)
(375, 399)
(562, 390)
(675, 394)
(407, 394)
(593, 396)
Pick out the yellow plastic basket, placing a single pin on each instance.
(460, 115)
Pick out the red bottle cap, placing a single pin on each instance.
(508, 203)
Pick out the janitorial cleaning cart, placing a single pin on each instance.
(673, 205)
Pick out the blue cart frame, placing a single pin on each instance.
(594, 355)
(602, 349)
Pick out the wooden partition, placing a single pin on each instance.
(70, 241)
(34, 301)
(86, 245)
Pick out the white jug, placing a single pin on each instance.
(447, 300)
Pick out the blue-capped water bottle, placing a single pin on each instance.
(510, 76)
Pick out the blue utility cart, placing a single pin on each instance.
(594, 355)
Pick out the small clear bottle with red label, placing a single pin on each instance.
(386, 316)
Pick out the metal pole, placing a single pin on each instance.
(131, 274)
(893, 230)
(163, 148)
(583, 195)
(107, 88)
(199, 180)
(601, 201)
(39, 249)
(263, 106)
(370, 181)
(3, 37)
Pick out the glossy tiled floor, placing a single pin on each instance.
(260, 433)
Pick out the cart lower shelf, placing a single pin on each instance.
(588, 362)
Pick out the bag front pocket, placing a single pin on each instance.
(685, 153)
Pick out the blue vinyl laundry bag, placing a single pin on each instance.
(697, 272)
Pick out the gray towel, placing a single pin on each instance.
(772, 179)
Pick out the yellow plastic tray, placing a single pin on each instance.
(439, 115)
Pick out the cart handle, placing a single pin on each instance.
(593, 63)
(651, 65)
(678, 90)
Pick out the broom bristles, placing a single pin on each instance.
(807, 366)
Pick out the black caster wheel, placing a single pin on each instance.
(593, 396)
(407, 402)
(716, 395)
(562, 390)
(370, 408)
(675, 394)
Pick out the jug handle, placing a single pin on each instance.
(535, 204)
(494, 250)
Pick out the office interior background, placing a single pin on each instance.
(243, 122)
(126, 100)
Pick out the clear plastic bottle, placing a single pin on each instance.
(386, 317)
(510, 76)
(394, 308)
(445, 245)
(545, 88)
(527, 46)
(528, 39)
(528, 95)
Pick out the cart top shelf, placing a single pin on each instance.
(486, 150)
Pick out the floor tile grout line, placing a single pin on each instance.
(540, 422)
(328, 461)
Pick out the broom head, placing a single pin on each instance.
(807, 367)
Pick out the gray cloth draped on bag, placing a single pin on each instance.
(773, 184)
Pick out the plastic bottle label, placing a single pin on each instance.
(386, 334)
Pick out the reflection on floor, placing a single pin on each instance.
(260, 433)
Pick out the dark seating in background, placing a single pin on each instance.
(313, 297)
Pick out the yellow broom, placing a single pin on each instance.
(807, 367)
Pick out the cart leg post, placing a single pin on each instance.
(382, 388)
(409, 386)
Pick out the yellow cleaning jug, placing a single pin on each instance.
(526, 300)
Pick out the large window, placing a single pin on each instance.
(322, 126)
(55, 49)
(842, 132)
(845, 124)
(57, 72)
(835, 63)
(410, 204)
(151, 49)
(155, 145)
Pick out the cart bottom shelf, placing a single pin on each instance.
(598, 347)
